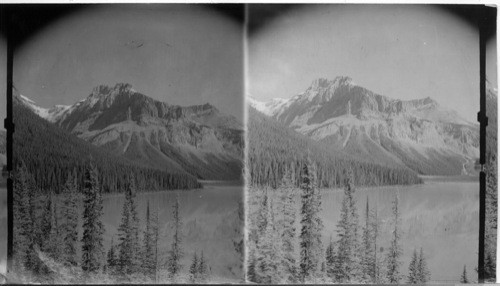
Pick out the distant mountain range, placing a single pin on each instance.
(419, 134)
(198, 140)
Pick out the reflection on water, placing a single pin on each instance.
(440, 216)
(210, 223)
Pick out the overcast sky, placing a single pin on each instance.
(179, 54)
(401, 51)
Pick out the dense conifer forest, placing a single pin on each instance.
(273, 148)
(46, 237)
(49, 152)
(286, 243)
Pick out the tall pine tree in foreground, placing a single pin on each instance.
(93, 229)
(288, 231)
(331, 271)
(148, 253)
(176, 253)
(311, 249)
(112, 261)
(368, 249)
(128, 234)
(269, 267)
(374, 229)
(23, 220)
(347, 260)
(395, 251)
(69, 221)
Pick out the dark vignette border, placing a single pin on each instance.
(18, 22)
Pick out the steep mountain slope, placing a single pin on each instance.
(419, 134)
(50, 153)
(199, 140)
(274, 148)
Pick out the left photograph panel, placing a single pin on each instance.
(129, 144)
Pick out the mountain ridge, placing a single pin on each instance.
(418, 133)
(198, 139)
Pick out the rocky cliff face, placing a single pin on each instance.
(419, 133)
(197, 139)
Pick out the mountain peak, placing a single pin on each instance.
(323, 83)
(119, 88)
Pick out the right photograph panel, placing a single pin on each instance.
(363, 145)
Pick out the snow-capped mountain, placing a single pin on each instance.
(197, 139)
(270, 107)
(419, 134)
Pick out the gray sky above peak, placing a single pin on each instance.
(179, 54)
(400, 51)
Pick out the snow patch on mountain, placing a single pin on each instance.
(270, 107)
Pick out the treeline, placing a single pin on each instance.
(274, 148)
(48, 152)
(46, 238)
(279, 252)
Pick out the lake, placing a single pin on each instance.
(210, 218)
(441, 215)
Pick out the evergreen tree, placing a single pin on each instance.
(23, 239)
(395, 251)
(156, 229)
(288, 231)
(193, 269)
(348, 268)
(262, 216)
(330, 261)
(413, 271)
(423, 272)
(269, 267)
(55, 240)
(69, 221)
(46, 220)
(128, 234)
(367, 258)
(374, 229)
(148, 258)
(93, 229)
(311, 251)
(111, 260)
(463, 278)
(176, 253)
(202, 267)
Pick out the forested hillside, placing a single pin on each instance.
(50, 153)
(274, 148)
(420, 134)
(198, 139)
